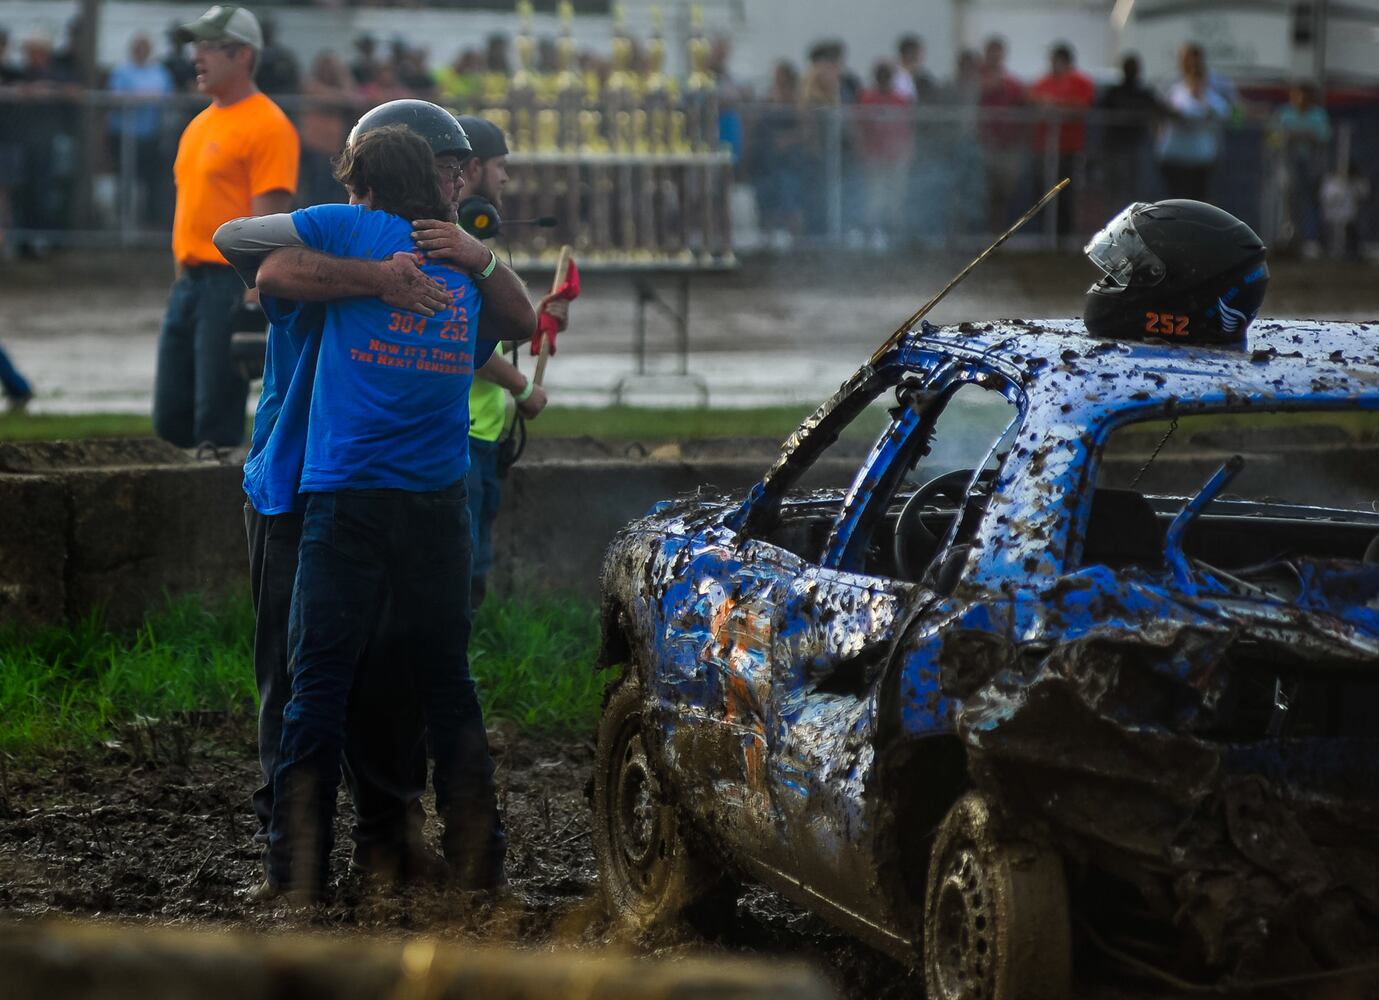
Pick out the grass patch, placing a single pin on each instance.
(635, 423)
(68, 687)
(534, 662)
(70, 427)
(619, 423)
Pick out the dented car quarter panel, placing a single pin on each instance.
(778, 685)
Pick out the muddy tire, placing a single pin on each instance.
(649, 874)
(996, 923)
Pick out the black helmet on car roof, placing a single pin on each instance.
(430, 121)
(1182, 271)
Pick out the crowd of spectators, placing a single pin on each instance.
(906, 156)
(37, 144)
(923, 159)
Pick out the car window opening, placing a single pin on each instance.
(1307, 488)
(969, 436)
(944, 494)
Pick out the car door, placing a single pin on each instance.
(832, 629)
(833, 636)
(722, 614)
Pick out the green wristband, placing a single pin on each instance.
(492, 263)
(525, 394)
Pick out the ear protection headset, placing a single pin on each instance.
(479, 217)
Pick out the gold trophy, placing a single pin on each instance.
(658, 196)
(620, 97)
(679, 136)
(701, 115)
(524, 78)
(591, 139)
(657, 89)
(522, 91)
(622, 79)
(547, 130)
(493, 94)
(700, 88)
(568, 90)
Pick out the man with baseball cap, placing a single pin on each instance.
(237, 158)
(485, 176)
(224, 22)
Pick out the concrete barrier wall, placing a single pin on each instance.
(116, 525)
(558, 517)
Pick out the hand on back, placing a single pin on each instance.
(406, 286)
(448, 242)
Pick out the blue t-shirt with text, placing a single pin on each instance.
(273, 468)
(390, 403)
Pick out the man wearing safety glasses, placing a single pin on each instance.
(235, 159)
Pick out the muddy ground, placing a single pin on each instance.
(155, 828)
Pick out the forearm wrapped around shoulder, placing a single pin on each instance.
(246, 242)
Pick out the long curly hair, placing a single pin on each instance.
(397, 167)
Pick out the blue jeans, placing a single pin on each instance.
(384, 731)
(362, 551)
(198, 392)
(485, 495)
(14, 384)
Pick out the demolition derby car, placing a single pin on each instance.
(1087, 655)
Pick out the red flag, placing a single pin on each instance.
(547, 326)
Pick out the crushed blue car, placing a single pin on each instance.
(1085, 660)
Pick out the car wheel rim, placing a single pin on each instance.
(640, 835)
(962, 929)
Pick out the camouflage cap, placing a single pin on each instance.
(223, 22)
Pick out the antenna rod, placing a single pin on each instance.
(923, 310)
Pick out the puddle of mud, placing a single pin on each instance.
(157, 830)
(161, 830)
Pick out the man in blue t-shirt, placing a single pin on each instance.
(387, 831)
(382, 466)
(382, 741)
(388, 816)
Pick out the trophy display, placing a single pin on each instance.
(629, 166)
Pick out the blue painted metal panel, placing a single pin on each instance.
(1090, 673)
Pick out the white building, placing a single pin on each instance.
(1247, 39)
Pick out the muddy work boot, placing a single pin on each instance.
(480, 869)
(266, 893)
(392, 864)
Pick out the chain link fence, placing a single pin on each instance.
(95, 170)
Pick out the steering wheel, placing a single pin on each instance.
(913, 544)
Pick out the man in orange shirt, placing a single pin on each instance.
(237, 158)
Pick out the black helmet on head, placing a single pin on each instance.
(486, 138)
(1183, 271)
(430, 121)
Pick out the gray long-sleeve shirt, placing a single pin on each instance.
(246, 242)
